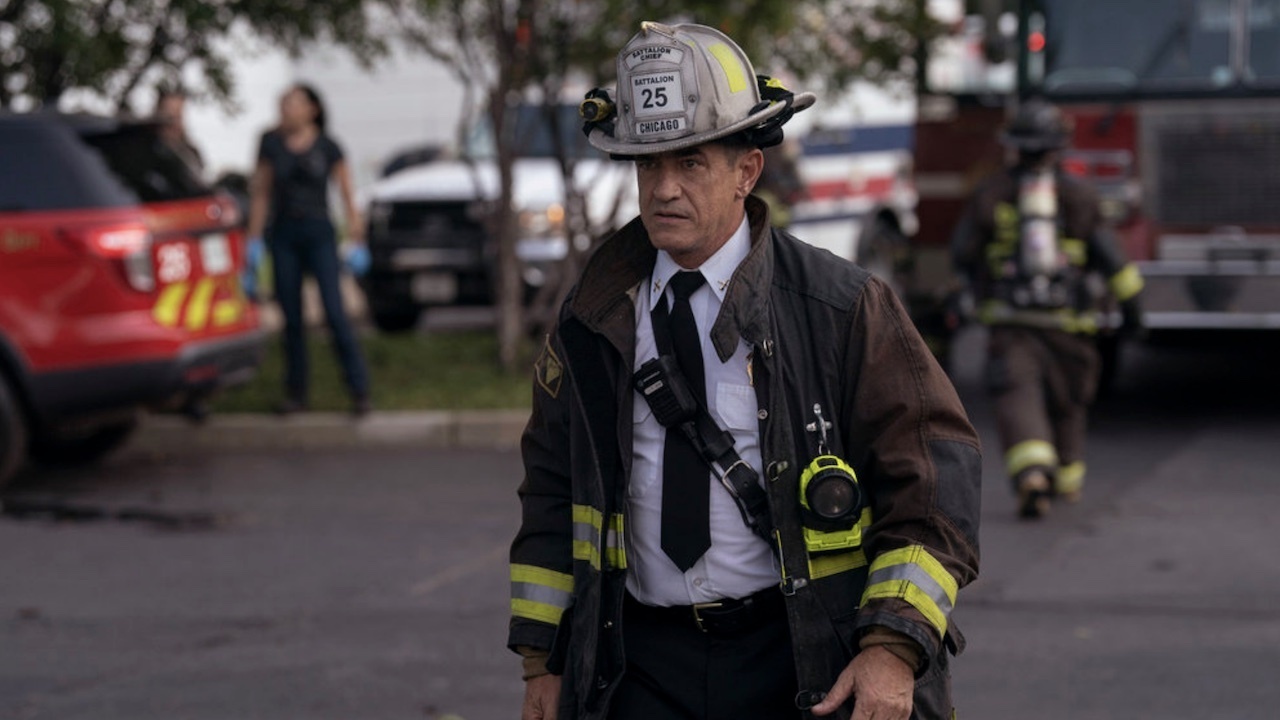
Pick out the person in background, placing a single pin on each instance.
(1029, 243)
(289, 207)
(170, 113)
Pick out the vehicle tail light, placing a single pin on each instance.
(130, 245)
(1076, 167)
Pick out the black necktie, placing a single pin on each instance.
(686, 485)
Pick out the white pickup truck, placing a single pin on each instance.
(427, 234)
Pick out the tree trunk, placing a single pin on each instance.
(510, 308)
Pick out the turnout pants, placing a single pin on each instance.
(1043, 382)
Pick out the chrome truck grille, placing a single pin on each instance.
(1214, 166)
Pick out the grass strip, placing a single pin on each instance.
(410, 371)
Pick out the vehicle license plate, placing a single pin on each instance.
(434, 288)
(215, 254)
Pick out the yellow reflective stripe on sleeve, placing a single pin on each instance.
(912, 574)
(539, 594)
(588, 527)
(1076, 251)
(615, 550)
(1030, 453)
(1126, 283)
(169, 307)
(1070, 477)
(586, 534)
(201, 305)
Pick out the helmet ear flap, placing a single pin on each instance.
(769, 133)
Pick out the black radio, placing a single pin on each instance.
(663, 386)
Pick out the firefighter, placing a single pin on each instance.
(1032, 242)
(749, 489)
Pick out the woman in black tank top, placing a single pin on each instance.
(289, 209)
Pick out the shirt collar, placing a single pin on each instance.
(718, 268)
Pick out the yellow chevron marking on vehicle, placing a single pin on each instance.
(228, 311)
(201, 304)
(169, 307)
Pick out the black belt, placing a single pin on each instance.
(721, 617)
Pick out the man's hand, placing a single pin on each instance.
(880, 683)
(542, 697)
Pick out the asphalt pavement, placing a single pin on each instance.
(215, 572)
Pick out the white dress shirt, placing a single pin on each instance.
(738, 562)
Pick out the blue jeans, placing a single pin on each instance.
(299, 246)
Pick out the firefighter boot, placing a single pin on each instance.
(1069, 481)
(1033, 494)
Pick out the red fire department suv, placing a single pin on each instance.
(119, 286)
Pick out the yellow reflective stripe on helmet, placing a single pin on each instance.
(1070, 477)
(1076, 251)
(201, 305)
(1029, 453)
(539, 594)
(912, 574)
(731, 65)
(1126, 283)
(169, 307)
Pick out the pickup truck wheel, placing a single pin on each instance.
(82, 448)
(396, 321)
(13, 434)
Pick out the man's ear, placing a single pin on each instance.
(749, 166)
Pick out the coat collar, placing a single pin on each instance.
(606, 295)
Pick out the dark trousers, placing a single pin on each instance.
(298, 247)
(677, 672)
(1043, 382)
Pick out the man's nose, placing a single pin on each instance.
(666, 186)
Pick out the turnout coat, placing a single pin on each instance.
(822, 330)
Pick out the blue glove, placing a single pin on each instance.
(254, 252)
(356, 258)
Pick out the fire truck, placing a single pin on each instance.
(1176, 111)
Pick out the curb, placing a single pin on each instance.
(464, 429)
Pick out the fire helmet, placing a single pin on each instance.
(684, 85)
(1037, 127)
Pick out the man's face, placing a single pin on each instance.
(691, 199)
(169, 113)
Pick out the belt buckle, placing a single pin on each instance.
(697, 615)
